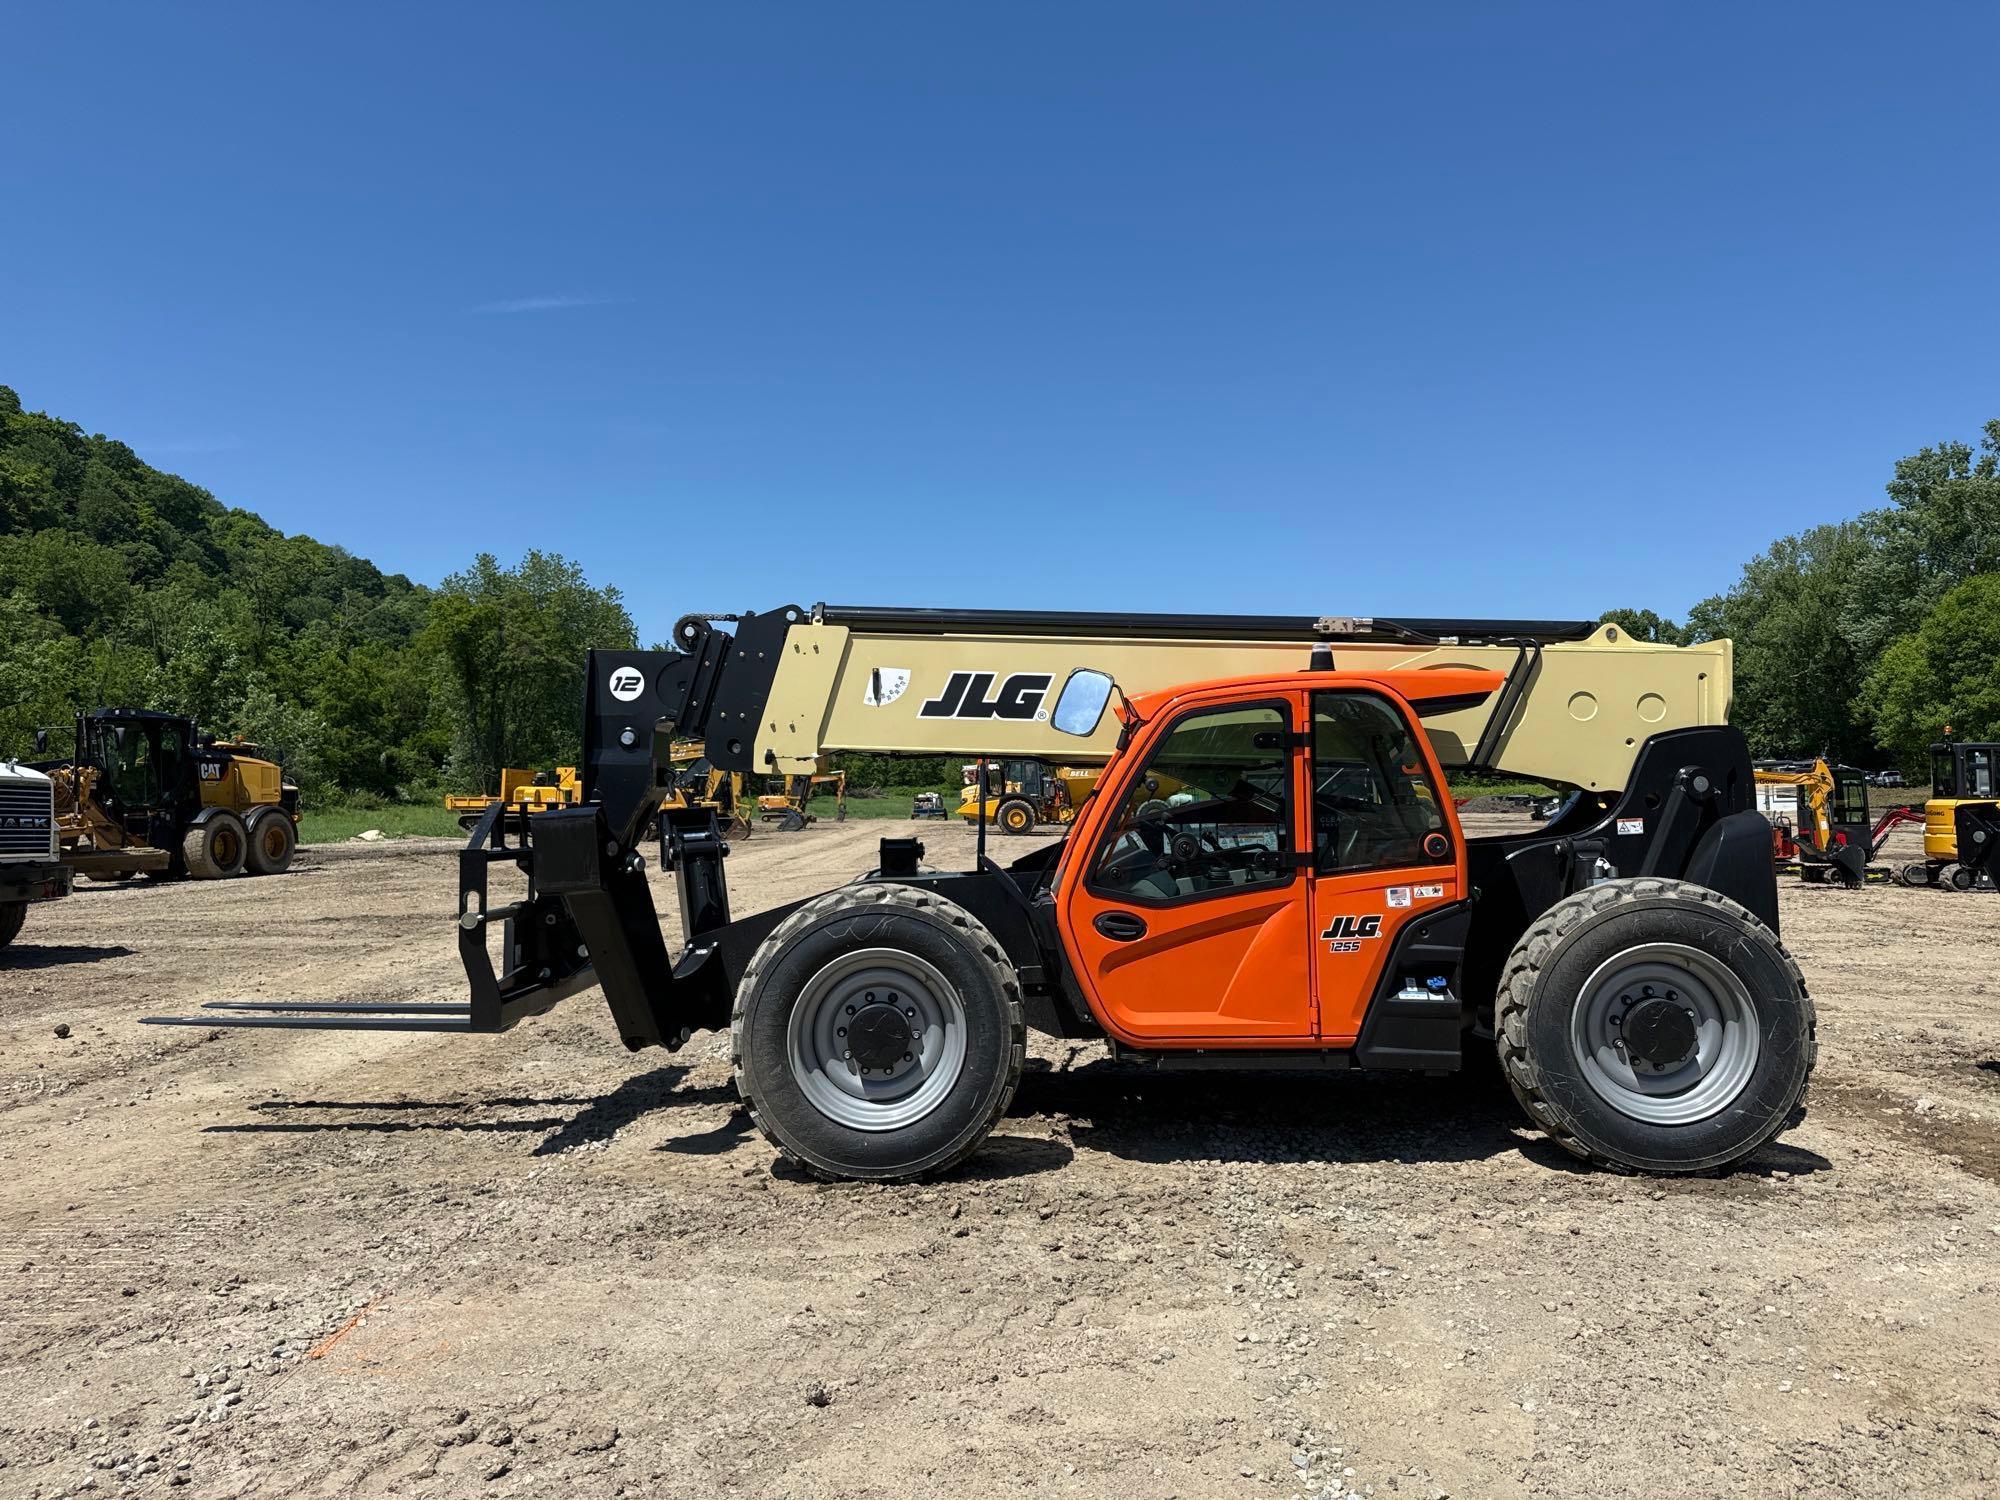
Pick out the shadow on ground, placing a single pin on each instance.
(54, 955)
(1147, 1116)
(1125, 1111)
(577, 1120)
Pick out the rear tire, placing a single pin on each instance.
(893, 961)
(12, 916)
(1016, 817)
(1655, 1026)
(274, 839)
(215, 847)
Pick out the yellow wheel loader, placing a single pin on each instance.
(1017, 796)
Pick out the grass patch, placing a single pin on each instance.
(398, 820)
(1496, 786)
(889, 805)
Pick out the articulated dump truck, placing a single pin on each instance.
(1269, 874)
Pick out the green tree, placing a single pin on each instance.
(1796, 671)
(1942, 527)
(510, 643)
(1943, 675)
(1645, 625)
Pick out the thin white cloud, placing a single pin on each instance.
(540, 304)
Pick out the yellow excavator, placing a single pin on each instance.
(699, 786)
(1821, 826)
(1961, 819)
(787, 808)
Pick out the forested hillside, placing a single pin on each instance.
(120, 584)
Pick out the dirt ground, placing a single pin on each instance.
(257, 1263)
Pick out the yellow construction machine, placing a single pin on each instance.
(145, 794)
(787, 808)
(522, 792)
(697, 784)
(1821, 826)
(1016, 796)
(1961, 819)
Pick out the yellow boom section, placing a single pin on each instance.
(1577, 713)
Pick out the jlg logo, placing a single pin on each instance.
(1345, 934)
(965, 696)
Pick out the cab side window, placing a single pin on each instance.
(1373, 801)
(1978, 774)
(1210, 813)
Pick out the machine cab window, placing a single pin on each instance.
(1373, 801)
(1209, 813)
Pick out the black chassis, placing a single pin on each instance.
(587, 915)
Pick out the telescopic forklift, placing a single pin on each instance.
(1312, 903)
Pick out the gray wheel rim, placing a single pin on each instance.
(911, 1087)
(1726, 1044)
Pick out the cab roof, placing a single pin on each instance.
(1428, 689)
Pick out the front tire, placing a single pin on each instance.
(215, 847)
(1655, 1026)
(878, 1033)
(1016, 818)
(12, 916)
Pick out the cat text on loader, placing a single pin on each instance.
(1313, 903)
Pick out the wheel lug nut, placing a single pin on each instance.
(840, 1031)
(850, 1010)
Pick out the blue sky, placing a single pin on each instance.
(1484, 309)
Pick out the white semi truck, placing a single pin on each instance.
(31, 867)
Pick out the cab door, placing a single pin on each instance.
(1386, 846)
(1187, 912)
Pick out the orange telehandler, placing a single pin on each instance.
(1306, 898)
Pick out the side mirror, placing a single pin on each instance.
(1081, 703)
(41, 742)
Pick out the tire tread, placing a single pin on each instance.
(859, 899)
(1531, 953)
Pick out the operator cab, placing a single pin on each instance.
(1963, 770)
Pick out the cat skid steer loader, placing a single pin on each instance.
(1307, 898)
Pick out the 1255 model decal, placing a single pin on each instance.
(1345, 934)
(966, 696)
